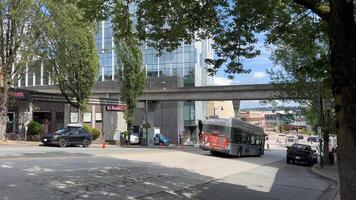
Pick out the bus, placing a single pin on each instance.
(232, 136)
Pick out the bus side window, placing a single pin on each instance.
(258, 141)
(244, 138)
(253, 140)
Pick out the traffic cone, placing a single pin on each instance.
(104, 145)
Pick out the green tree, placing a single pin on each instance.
(275, 18)
(166, 24)
(21, 32)
(304, 59)
(72, 58)
(133, 75)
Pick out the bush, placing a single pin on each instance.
(87, 128)
(34, 128)
(95, 133)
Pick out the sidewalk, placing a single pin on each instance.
(95, 144)
(329, 172)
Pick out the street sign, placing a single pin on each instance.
(116, 108)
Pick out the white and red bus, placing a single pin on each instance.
(232, 136)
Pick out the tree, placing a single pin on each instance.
(20, 33)
(127, 45)
(274, 16)
(304, 58)
(71, 54)
(133, 75)
(166, 24)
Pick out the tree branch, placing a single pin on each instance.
(319, 8)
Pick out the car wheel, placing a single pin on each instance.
(62, 142)
(86, 143)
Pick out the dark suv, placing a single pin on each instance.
(70, 136)
(301, 153)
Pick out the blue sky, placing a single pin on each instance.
(258, 74)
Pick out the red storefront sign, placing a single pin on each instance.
(116, 108)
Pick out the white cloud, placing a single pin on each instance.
(258, 75)
(223, 81)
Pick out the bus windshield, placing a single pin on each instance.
(216, 129)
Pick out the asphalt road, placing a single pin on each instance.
(135, 173)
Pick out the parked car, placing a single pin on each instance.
(69, 136)
(161, 140)
(301, 153)
(134, 138)
(313, 139)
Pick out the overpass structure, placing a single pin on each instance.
(214, 93)
(203, 93)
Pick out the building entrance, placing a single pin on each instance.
(44, 118)
(10, 125)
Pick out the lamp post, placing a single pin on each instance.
(221, 108)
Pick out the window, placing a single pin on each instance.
(73, 132)
(87, 117)
(253, 140)
(98, 117)
(74, 117)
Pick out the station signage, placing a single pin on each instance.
(116, 108)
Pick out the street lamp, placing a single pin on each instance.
(219, 107)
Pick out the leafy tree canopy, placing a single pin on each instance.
(70, 53)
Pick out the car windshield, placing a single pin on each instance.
(60, 132)
(300, 146)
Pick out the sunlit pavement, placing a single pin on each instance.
(28, 172)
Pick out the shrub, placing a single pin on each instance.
(87, 128)
(95, 133)
(34, 128)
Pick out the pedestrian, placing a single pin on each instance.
(267, 143)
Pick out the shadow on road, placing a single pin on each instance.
(94, 177)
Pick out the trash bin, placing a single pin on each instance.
(331, 158)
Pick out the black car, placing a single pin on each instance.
(68, 137)
(301, 153)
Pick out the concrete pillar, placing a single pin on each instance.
(236, 104)
(180, 119)
(93, 120)
(25, 116)
(151, 107)
(66, 114)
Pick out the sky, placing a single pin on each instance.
(258, 75)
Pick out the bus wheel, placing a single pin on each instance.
(239, 154)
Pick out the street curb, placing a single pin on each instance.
(335, 191)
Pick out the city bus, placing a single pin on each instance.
(232, 136)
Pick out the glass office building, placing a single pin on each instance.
(186, 62)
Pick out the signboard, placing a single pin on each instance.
(15, 95)
(116, 108)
